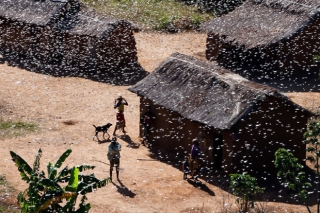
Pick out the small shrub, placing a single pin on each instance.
(166, 24)
(196, 21)
(245, 187)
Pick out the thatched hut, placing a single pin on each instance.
(22, 24)
(267, 38)
(69, 39)
(240, 123)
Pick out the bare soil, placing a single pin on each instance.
(66, 108)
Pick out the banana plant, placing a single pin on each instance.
(45, 194)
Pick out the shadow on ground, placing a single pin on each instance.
(121, 75)
(129, 141)
(201, 185)
(274, 192)
(122, 189)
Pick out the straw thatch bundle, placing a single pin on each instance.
(263, 22)
(31, 11)
(66, 38)
(203, 91)
(86, 21)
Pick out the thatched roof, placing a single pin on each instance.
(263, 22)
(86, 21)
(30, 11)
(203, 91)
(66, 15)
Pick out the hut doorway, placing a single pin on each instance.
(217, 151)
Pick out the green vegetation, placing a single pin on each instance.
(154, 15)
(311, 137)
(291, 175)
(45, 194)
(245, 187)
(9, 129)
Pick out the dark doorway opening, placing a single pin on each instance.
(217, 151)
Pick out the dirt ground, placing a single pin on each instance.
(66, 108)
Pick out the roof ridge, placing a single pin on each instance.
(224, 78)
(290, 1)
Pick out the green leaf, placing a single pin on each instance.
(49, 168)
(88, 178)
(62, 158)
(85, 188)
(63, 173)
(84, 208)
(53, 197)
(85, 167)
(21, 198)
(23, 175)
(58, 164)
(69, 205)
(33, 195)
(22, 165)
(36, 164)
(73, 182)
(61, 177)
(51, 185)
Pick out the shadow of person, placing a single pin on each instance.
(104, 141)
(131, 144)
(200, 185)
(122, 189)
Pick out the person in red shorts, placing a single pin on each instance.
(120, 122)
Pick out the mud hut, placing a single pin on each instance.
(69, 39)
(267, 38)
(240, 123)
(21, 27)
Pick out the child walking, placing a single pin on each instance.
(186, 167)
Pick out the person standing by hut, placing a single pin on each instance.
(119, 104)
(120, 123)
(194, 158)
(114, 149)
(186, 167)
(146, 121)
